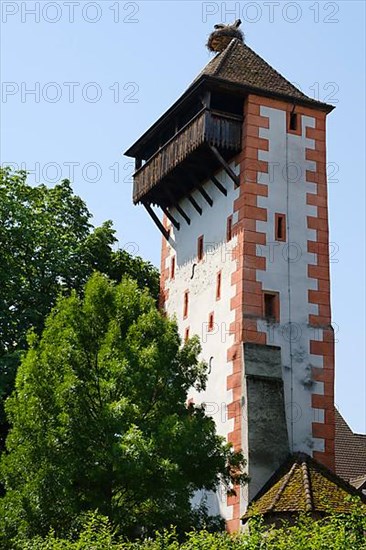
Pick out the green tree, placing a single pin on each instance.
(48, 246)
(99, 420)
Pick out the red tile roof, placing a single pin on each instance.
(239, 64)
(236, 66)
(350, 450)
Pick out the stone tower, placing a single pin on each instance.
(238, 167)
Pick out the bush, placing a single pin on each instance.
(337, 532)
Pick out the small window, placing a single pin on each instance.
(186, 334)
(271, 306)
(280, 227)
(218, 286)
(172, 268)
(211, 322)
(185, 304)
(293, 121)
(229, 228)
(200, 248)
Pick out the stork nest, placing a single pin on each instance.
(221, 38)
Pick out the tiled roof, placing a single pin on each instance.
(350, 450)
(237, 65)
(303, 485)
(241, 65)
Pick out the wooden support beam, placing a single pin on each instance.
(195, 204)
(219, 185)
(171, 218)
(205, 195)
(197, 184)
(174, 203)
(156, 220)
(183, 214)
(225, 166)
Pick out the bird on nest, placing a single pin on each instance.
(220, 38)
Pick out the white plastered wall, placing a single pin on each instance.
(287, 272)
(199, 278)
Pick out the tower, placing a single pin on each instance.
(238, 167)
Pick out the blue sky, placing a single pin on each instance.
(102, 72)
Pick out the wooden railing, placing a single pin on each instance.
(211, 127)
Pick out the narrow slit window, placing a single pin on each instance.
(293, 121)
(218, 286)
(210, 322)
(200, 248)
(172, 268)
(270, 306)
(280, 227)
(186, 334)
(229, 228)
(185, 304)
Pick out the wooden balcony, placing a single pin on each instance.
(191, 155)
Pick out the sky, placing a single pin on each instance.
(81, 81)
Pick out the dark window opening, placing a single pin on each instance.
(211, 321)
(270, 303)
(172, 268)
(200, 248)
(188, 113)
(218, 286)
(229, 228)
(227, 103)
(293, 121)
(280, 227)
(186, 334)
(185, 304)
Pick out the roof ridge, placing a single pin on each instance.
(283, 486)
(307, 486)
(333, 477)
(225, 53)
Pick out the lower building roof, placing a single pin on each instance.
(302, 484)
(350, 450)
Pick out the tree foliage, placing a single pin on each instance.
(99, 420)
(48, 246)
